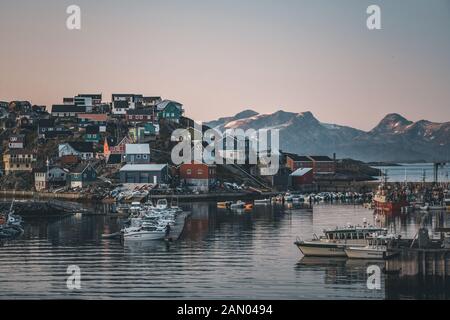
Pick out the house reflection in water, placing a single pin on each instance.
(197, 226)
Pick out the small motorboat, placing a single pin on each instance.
(224, 204)
(237, 205)
(143, 233)
(162, 204)
(262, 201)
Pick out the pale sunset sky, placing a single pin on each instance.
(219, 57)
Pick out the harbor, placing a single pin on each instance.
(252, 251)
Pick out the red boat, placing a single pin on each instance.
(385, 204)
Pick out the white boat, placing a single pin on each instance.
(262, 201)
(162, 204)
(376, 248)
(335, 241)
(143, 233)
(237, 205)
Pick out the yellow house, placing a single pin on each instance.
(19, 160)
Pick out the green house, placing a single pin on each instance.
(170, 110)
(84, 174)
(92, 134)
(149, 129)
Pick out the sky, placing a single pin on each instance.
(219, 57)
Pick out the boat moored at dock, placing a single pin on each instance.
(334, 241)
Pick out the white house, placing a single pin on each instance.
(84, 150)
(137, 153)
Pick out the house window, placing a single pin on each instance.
(144, 156)
(189, 171)
(138, 156)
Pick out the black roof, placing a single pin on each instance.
(121, 104)
(93, 96)
(80, 168)
(92, 129)
(114, 159)
(139, 112)
(296, 157)
(46, 122)
(67, 108)
(112, 141)
(82, 146)
(321, 158)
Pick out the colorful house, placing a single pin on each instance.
(83, 150)
(16, 141)
(111, 146)
(19, 160)
(92, 134)
(83, 175)
(93, 119)
(301, 177)
(46, 177)
(170, 110)
(198, 176)
(137, 153)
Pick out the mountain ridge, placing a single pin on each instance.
(394, 138)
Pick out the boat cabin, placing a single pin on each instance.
(356, 233)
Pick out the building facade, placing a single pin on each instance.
(19, 160)
(144, 174)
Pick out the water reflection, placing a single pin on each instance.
(221, 254)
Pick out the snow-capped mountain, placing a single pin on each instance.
(393, 139)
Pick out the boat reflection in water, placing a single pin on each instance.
(220, 255)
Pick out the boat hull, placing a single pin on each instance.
(389, 207)
(361, 253)
(144, 236)
(319, 249)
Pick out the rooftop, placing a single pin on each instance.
(82, 146)
(300, 172)
(296, 157)
(143, 167)
(94, 117)
(137, 148)
(67, 108)
(321, 158)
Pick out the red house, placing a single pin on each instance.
(111, 146)
(198, 176)
(301, 177)
(139, 115)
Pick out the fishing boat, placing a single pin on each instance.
(376, 248)
(388, 200)
(334, 241)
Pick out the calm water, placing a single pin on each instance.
(416, 172)
(221, 255)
